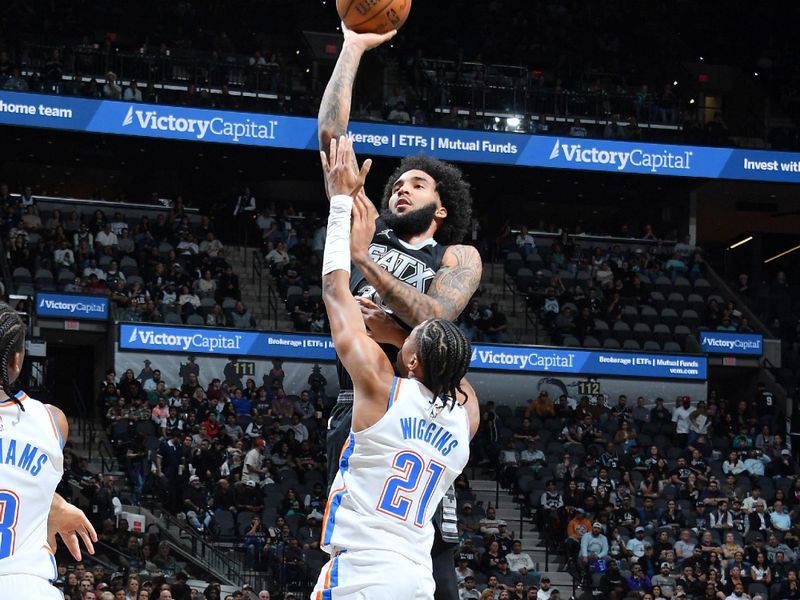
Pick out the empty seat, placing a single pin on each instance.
(570, 341)
(525, 279)
(641, 332)
(591, 342)
(43, 275)
(682, 285)
(681, 333)
(611, 344)
(195, 319)
(651, 346)
(663, 284)
(631, 345)
(512, 263)
(173, 318)
(669, 317)
(630, 315)
(621, 330)
(22, 275)
(676, 300)
(672, 347)
(695, 302)
(690, 318)
(662, 333)
(648, 314)
(702, 287)
(658, 300)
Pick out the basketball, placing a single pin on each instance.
(373, 16)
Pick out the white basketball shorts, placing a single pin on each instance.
(28, 586)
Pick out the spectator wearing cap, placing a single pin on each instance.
(467, 520)
(249, 497)
(463, 570)
(665, 580)
(783, 465)
(253, 467)
(196, 504)
(505, 576)
(635, 546)
(594, 545)
(545, 591)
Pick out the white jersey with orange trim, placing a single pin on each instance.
(31, 465)
(393, 475)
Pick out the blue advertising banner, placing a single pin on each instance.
(381, 139)
(526, 359)
(72, 306)
(537, 359)
(730, 343)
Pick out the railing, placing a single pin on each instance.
(85, 427)
(162, 70)
(106, 456)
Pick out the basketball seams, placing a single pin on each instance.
(378, 13)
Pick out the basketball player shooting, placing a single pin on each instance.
(410, 433)
(32, 437)
(414, 268)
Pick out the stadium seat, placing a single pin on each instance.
(641, 332)
(22, 275)
(512, 263)
(611, 344)
(525, 279)
(631, 345)
(630, 315)
(662, 333)
(702, 287)
(681, 333)
(173, 319)
(682, 285)
(669, 317)
(676, 301)
(695, 302)
(672, 347)
(690, 318)
(648, 315)
(591, 342)
(663, 285)
(651, 346)
(195, 319)
(601, 328)
(571, 342)
(658, 300)
(621, 331)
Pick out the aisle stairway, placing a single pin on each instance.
(486, 492)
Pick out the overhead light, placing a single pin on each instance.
(740, 243)
(512, 121)
(784, 253)
(691, 101)
(675, 82)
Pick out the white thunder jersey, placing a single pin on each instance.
(31, 464)
(393, 475)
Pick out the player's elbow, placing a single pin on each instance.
(327, 132)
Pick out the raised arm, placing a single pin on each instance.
(334, 110)
(450, 291)
(370, 369)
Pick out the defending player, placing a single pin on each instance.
(32, 437)
(408, 269)
(410, 436)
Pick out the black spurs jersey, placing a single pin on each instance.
(415, 265)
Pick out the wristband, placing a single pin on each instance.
(336, 256)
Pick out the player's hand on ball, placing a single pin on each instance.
(340, 178)
(366, 41)
(382, 327)
(362, 228)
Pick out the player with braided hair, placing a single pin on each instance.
(410, 434)
(32, 438)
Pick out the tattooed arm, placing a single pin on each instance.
(334, 110)
(452, 287)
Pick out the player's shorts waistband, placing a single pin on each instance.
(345, 397)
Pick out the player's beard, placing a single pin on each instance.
(411, 223)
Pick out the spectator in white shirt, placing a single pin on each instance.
(519, 561)
(111, 89)
(106, 237)
(525, 242)
(132, 92)
(682, 419)
(93, 269)
(63, 256)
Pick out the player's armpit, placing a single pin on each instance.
(456, 280)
